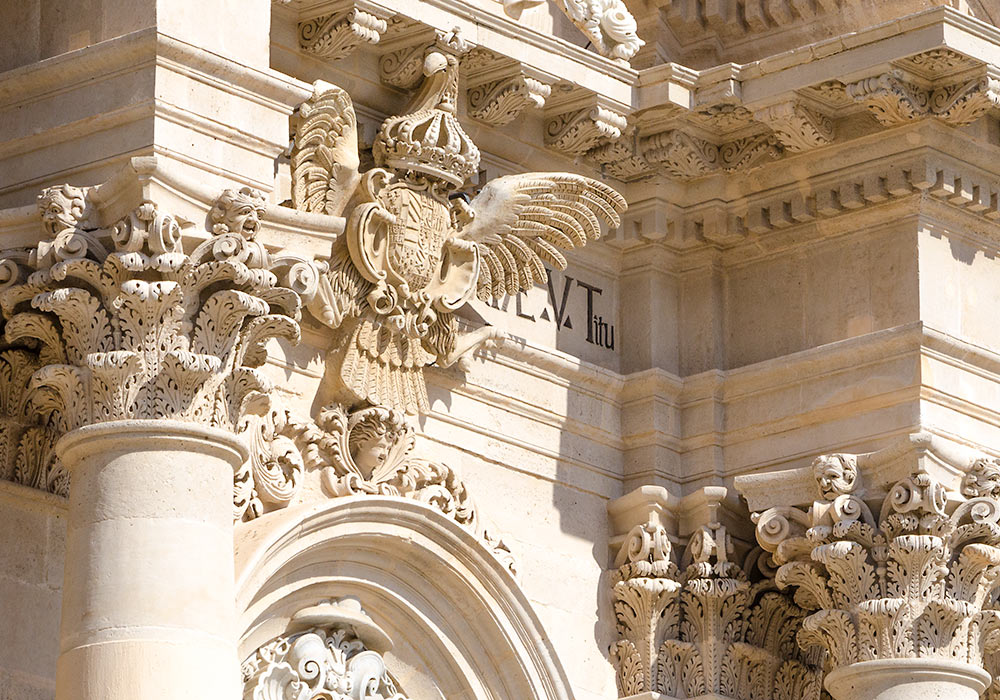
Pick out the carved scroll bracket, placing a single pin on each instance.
(343, 29)
(499, 89)
(576, 127)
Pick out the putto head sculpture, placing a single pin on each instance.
(836, 474)
(239, 211)
(415, 250)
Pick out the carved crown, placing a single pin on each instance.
(430, 140)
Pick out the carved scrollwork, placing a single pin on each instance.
(799, 128)
(499, 102)
(340, 33)
(919, 581)
(578, 131)
(369, 451)
(331, 651)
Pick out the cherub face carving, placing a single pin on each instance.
(239, 212)
(371, 439)
(835, 475)
(62, 208)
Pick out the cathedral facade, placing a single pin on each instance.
(482, 350)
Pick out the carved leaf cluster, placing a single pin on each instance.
(707, 630)
(919, 581)
(121, 323)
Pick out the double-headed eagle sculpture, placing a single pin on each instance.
(415, 249)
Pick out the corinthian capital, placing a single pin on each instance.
(123, 323)
(896, 558)
(714, 625)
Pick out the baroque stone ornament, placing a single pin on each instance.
(370, 452)
(706, 630)
(340, 33)
(415, 249)
(330, 651)
(498, 102)
(607, 24)
(918, 580)
(123, 323)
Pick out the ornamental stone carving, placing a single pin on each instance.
(330, 651)
(892, 99)
(706, 629)
(500, 100)
(578, 131)
(607, 24)
(392, 304)
(908, 570)
(123, 323)
(337, 34)
(799, 128)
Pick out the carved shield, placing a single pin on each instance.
(416, 237)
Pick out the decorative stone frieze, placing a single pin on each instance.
(580, 130)
(339, 33)
(900, 570)
(893, 100)
(330, 651)
(706, 627)
(799, 128)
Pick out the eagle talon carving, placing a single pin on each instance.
(414, 249)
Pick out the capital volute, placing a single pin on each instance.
(900, 568)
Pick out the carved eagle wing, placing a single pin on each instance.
(325, 151)
(520, 222)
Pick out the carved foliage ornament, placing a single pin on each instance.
(607, 24)
(919, 580)
(125, 324)
(331, 651)
(893, 100)
(337, 34)
(415, 249)
(706, 630)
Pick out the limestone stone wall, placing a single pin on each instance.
(32, 549)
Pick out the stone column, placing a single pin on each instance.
(903, 602)
(148, 589)
(142, 368)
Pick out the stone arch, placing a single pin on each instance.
(458, 619)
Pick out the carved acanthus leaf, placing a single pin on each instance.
(965, 102)
(147, 330)
(798, 127)
(912, 583)
(890, 99)
(680, 155)
(500, 101)
(579, 131)
(338, 34)
(707, 630)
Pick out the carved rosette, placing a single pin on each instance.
(919, 581)
(331, 651)
(122, 323)
(706, 630)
